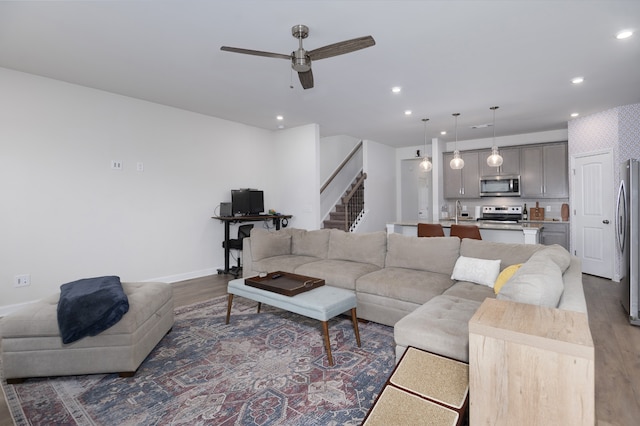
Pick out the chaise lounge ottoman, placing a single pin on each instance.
(32, 346)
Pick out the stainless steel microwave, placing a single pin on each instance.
(500, 186)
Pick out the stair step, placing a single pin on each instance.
(337, 216)
(334, 224)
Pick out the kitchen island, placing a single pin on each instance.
(527, 233)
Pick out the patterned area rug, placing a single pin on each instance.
(261, 369)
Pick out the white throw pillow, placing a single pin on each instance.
(479, 271)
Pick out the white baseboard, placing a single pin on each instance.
(184, 276)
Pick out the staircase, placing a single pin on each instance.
(351, 207)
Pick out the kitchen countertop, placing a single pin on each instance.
(546, 221)
(480, 224)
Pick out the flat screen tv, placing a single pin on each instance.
(247, 201)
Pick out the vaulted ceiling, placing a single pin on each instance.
(447, 56)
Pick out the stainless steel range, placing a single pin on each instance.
(501, 214)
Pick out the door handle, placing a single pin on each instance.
(606, 221)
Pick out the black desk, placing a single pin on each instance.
(228, 220)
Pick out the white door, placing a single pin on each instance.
(593, 211)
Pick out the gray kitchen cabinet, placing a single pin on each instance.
(463, 183)
(544, 171)
(555, 233)
(510, 162)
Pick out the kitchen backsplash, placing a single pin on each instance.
(554, 205)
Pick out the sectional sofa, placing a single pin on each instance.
(426, 288)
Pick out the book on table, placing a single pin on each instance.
(285, 283)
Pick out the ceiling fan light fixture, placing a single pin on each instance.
(495, 159)
(456, 162)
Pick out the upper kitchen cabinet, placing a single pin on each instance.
(510, 162)
(463, 183)
(544, 171)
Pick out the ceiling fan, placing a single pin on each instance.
(301, 59)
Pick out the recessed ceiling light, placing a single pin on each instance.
(279, 117)
(575, 114)
(577, 80)
(624, 34)
(408, 112)
(444, 132)
(396, 89)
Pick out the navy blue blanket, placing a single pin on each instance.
(89, 306)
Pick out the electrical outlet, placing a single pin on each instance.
(23, 280)
(548, 209)
(116, 165)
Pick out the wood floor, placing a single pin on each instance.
(617, 347)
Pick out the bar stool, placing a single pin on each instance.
(430, 230)
(465, 231)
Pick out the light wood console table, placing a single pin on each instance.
(530, 365)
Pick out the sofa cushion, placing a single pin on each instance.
(508, 253)
(310, 243)
(479, 271)
(559, 255)
(439, 326)
(435, 254)
(337, 273)
(286, 263)
(470, 291)
(537, 282)
(404, 284)
(364, 248)
(266, 244)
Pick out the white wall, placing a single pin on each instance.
(333, 150)
(379, 187)
(296, 168)
(66, 215)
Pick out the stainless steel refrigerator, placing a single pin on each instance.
(627, 224)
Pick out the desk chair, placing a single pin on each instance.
(430, 230)
(465, 231)
(236, 244)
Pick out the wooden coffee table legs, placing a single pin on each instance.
(229, 302)
(325, 333)
(325, 327)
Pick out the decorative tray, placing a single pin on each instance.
(284, 283)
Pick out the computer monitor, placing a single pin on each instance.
(247, 201)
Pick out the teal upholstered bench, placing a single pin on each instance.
(322, 304)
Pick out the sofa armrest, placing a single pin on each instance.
(247, 259)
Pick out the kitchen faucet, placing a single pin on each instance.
(458, 210)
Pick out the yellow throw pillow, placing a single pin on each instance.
(504, 276)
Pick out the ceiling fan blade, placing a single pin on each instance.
(341, 48)
(255, 52)
(306, 79)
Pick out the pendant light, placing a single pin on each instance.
(425, 164)
(456, 163)
(495, 159)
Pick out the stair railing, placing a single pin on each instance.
(341, 166)
(354, 203)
